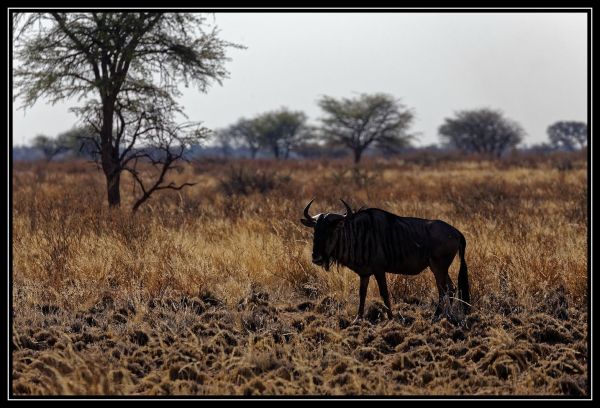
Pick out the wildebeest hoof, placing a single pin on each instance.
(356, 320)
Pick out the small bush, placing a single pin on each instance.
(245, 181)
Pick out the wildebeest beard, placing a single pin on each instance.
(327, 264)
(329, 259)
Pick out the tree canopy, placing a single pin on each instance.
(568, 135)
(50, 147)
(281, 130)
(244, 133)
(357, 123)
(484, 131)
(278, 131)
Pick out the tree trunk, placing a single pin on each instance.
(110, 156)
(357, 155)
(113, 183)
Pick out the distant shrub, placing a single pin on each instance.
(245, 181)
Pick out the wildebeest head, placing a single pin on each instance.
(324, 225)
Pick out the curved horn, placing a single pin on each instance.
(306, 214)
(348, 209)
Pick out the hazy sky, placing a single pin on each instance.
(532, 66)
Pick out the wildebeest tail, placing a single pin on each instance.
(463, 278)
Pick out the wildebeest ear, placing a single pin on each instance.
(308, 223)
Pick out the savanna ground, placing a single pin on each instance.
(211, 290)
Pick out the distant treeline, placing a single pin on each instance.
(370, 124)
(418, 153)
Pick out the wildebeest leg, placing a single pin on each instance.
(383, 291)
(438, 309)
(443, 283)
(445, 249)
(364, 284)
(451, 289)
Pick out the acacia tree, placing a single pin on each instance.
(568, 135)
(49, 147)
(484, 131)
(132, 64)
(78, 141)
(281, 130)
(244, 133)
(224, 142)
(358, 123)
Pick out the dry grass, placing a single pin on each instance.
(211, 290)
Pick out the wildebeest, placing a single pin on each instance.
(372, 241)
